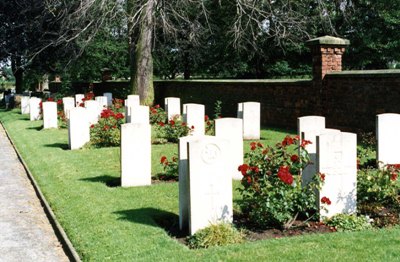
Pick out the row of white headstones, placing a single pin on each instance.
(207, 164)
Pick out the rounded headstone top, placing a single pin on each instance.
(328, 40)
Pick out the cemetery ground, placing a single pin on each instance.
(108, 222)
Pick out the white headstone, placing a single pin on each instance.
(231, 130)
(79, 99)
(78, 127)
(250, 113)
(93, 111)
(102, 100)
(137, 114)
(68, 104)
(311, 169)
(109, 98)
(193, 115)
(337, 160)
(133, 100)
(210, 185)
(184, 181)
(25, 104)
(388, 142)
(172, 106)
(135, 154)
(50, 115)
(34, 108)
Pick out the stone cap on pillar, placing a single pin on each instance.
(328, 40)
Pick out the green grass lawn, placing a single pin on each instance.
(118, 224)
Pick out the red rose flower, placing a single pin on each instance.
(393, 176)
(243, 169)
(287, 141)
(157, 106)
(260, 145)
(322, 176)
(192, 127)
(325, 200)
(92, 126)
(206, 118)
(304, 143)
(294, 158)
(160, 123)
(171, 122)
(284, 175)
(253, 145)
(163, 159)
(59, 102)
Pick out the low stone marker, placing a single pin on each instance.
(337, 160)
(79, 99)
(388, 142)
(193, 115)
(210, 186)
(109, 98)
(78, 127)
(308, 127)
(231, 130)
(135, 154)
(68, 104)
(172, 106)
(50, 115)
(250, 113)
(102, 100)
(34, 108)
(93, 111)
(25, 104)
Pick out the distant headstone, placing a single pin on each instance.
(79, 99)
(50, 115)
(25, 104)
(135, 154)
(388, 142)
(137, 114)
(34, 108)
(210, 186)
(102, 100)
(133, 100)
(337, 160)
(308, 127)
(78, 128)
(231, 130)
(250, 113)
(172, 106)
(93, 111)
(68, 104)
(109, 98)
(193, 115)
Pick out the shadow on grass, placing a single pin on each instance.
(110, 181)
(59, 145)
(37, 128)
(154, 217)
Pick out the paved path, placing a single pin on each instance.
(25, 232)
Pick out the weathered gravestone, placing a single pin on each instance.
(172, 107)
(193, 115)
(50, 115)
(337, 160)
(68, 104)
(25, 104)
(79, 98)
(135, 154)
(308, 127)
(388, 142)
(102, 101)
(231, 130)
(109, 98)
(34, 108)
(250, 113)
(78, 127)
(93, 111)
(210, 186)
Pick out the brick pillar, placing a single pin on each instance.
(327, 54)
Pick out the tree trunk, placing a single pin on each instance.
(142, 73)
(18, 73)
